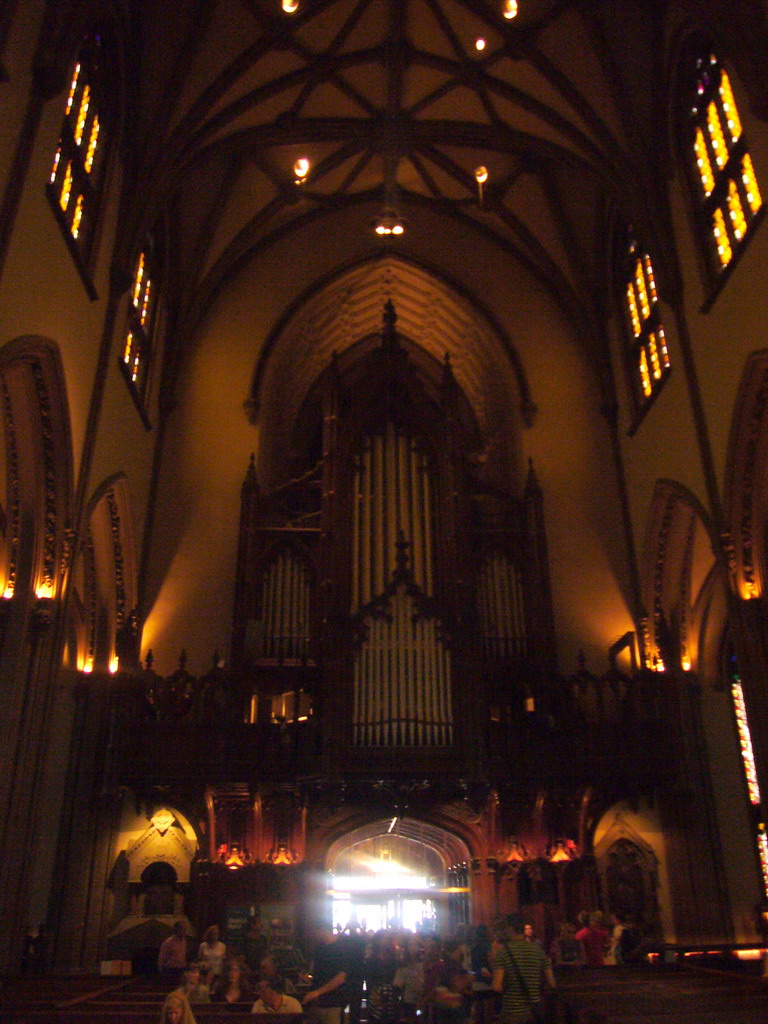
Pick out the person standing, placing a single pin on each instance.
(172, 958)
(329, 974)
(518, 971)
(594, 939)
(211, 955)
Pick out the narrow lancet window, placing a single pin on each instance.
(78, 167)
(140, 324)
(649, 356)
(726, 195)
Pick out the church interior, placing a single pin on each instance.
(383, 505)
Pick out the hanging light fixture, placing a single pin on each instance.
(290, 6)
(481, 176)
(389, 223)
(301, 170)
(509, 10)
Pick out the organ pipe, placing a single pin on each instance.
(500, 606)
(285, 608)
(401, 671)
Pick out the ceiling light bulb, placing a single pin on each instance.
(510, 9)
(480, 44)
(290, 6)
(301, 169)
(389, 223)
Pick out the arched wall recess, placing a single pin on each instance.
(433, 318)
(109, 574)
(39, 488)
(678, 557)
(168, 838)
(746, 479)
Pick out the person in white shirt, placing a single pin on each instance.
(211, 955)
(272, 998)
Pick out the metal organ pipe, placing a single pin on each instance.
(401, 671)
(500, 603)
(285, 608)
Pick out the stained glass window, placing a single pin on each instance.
(748, 762)
(140, 323)
(726, 194)
(79, 163)
(648, 344)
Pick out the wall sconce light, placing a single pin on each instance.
(480, 44)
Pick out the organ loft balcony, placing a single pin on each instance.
(280, 724)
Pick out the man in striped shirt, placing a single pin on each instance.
(518, 969)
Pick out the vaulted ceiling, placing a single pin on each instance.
(394, 106)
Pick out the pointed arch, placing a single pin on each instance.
(105, 577)
(449, 847)
(38, 487)
(746, 479)
(678, 559)
(340, 317)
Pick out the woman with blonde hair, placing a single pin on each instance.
(176, 1010)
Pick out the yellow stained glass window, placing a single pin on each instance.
(650, 357)
(77, 170)
(140, 324)
(726, 188)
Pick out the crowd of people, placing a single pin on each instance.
(477, 976)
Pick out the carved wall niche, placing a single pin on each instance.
(745, 486)
(628, 869)
(169, 839)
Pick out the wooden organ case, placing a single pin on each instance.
(388, 602)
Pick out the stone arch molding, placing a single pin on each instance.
(746, 480)
(39, 488)
(168, 838)
(432, 315)
(619, 837)
(448, 846)
(678, 564)
(110, 598)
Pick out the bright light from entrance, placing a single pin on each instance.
(390, 880)
(388, 896)
(362, 883)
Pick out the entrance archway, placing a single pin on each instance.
(399, 873)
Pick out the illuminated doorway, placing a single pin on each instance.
(399, 874)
